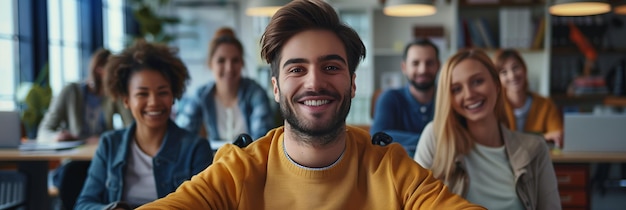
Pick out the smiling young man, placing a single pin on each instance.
(315, 161)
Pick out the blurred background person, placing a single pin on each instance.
(470, 148)
(153, 156)
(526, 111)
(230, 105)
(403, 113)
(81, 110)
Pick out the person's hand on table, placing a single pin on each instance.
(65, 135)
(92, 139)
(556, 137)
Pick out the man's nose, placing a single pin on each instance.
(421, 68)
(314, 79)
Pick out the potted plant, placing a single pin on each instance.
(151, 23)
(35, 102)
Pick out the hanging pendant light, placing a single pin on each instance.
(579, 7)
(409, 8)
(264, 7)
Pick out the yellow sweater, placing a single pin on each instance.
(260, 176)
(543, 116)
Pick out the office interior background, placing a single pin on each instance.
(60, 35)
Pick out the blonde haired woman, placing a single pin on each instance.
(470, 148)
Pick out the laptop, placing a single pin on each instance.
(50, 146)
(10, 129)
(594, 133)
(11, 136)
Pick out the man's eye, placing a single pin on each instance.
(295, 70)
(331, 68)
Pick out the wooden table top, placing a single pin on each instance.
(588, 157)
(84, 152)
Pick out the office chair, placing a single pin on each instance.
(72, 181)
(12, 189)
(243, 140)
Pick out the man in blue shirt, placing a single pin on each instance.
(403, 113)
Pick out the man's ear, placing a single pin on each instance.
(353, 88)
(275, 88)
(403, 67)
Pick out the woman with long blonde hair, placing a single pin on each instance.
(469, 146)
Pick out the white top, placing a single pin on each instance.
(139, 183)
(491, 179)
(230, 121)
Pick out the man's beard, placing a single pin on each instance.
(422, 86)
(317, 135)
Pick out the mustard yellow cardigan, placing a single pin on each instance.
(543, 116)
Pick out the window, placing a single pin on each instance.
(64, 44)
(114, 35)
(8, 54)
(361, 103)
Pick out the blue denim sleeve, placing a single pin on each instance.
(203, 156)
(94, 192)
(262, 117)
(189, 114)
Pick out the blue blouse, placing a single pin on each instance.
(252, 100)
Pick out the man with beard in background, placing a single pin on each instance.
(315, 161)
(403, 113)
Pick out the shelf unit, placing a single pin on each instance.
(388, 35)
(567, 60)
(616, 101)
(537, 58)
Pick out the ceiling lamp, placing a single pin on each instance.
(409, 8)
(579, 7)
(264, 7)
(620, 8)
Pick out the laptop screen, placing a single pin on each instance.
(10, 129)
(594, 133)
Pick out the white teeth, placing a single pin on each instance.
(315, 102)
(476, 105)
(154, 113)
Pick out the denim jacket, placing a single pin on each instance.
(252, 100)
(181, 156)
